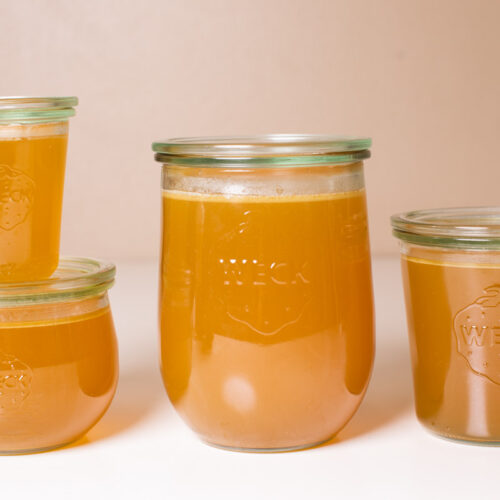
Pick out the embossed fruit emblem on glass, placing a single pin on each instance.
(15, 382)
(265, 292)
(16, 197)
(281, 287)
(477, 330)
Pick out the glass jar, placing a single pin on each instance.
(33, 141)
(451, 274)
(266, 311)
(58, 356)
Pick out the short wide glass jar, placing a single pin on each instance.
(451, 274)
(33, 141)
(266, 311)
(58, 356)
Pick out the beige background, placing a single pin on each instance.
(420, 77)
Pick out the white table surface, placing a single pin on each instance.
(141, 449)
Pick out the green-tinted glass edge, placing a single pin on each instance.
(255, 162)
(74, 288)
(36, 109)
(448, 242)
(267, 150)
(324, 143)
(24, 300)
(46, 116)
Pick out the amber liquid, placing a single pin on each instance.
(31, 189)
(266, 315)
(454, 326)
(57, 378)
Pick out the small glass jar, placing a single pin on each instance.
(33, 141)
(58, 356)
(266, 313)
(451, 274)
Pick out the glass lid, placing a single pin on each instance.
(36, 109)
(74, 278)
(473, 227)
(274, 149)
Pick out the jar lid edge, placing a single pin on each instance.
(463, 227)
(75, 277)
(265, 145)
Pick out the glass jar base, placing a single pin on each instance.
(464, 439)
(283, 449)
(32, 451)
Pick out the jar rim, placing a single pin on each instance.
(262, 150)
(456, 227)
(25, 109)
(75, 278)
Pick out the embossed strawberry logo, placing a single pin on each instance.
(15, 382)
(265, 296)
(477, 330)
(265, 293)
(16, 197)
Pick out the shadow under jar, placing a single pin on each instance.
(451, 273)
(266, 311)
(33, 142)
(58, 356)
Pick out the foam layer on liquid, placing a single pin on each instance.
(16, 131)
(268, 182)
(288, 198)
(53, 321)
(450, 263)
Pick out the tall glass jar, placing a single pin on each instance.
(33, 142)
(266, 313)
(450, 260)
